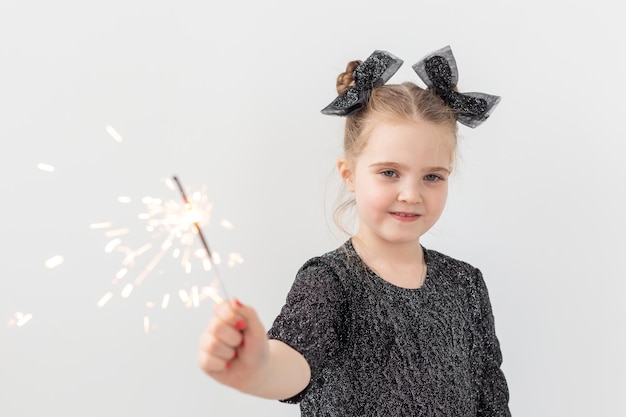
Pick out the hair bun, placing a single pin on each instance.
(345, 80)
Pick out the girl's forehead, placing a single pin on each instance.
(417, 127)
(409, 138)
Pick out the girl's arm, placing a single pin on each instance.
(236, 352)
(494, 394)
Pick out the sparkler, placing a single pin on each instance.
(179, 224)
(188, 206)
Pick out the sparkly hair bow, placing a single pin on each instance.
(438, 70)
(376, 70)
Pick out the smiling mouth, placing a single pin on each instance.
(405, 215)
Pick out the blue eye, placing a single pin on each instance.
(389, 173)
(434, 177)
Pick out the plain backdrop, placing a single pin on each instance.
(227, 95)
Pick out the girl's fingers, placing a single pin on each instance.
(210, 363)
(224, 333)
(218, 347)
(219, 344)
(229, 312)
(215, 347)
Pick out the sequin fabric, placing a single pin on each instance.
(376, 70)
(439, 71)
(376, 349)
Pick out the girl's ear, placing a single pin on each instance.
(345, 172)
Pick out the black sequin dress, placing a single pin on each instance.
(376, 349)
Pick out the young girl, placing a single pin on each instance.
(380, 326)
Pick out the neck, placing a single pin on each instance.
(400, 264)
(377, 250)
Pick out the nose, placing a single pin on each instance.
(410, 192)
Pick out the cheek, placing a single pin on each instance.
(369, 197)
(439, 197)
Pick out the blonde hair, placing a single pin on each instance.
(389, 102)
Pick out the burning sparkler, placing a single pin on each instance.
(196, 224)
(176, 223)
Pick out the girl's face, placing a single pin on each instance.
(400, 180)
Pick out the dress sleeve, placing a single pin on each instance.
(493, 388)
(310, 319)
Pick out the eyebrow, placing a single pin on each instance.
(398, 165)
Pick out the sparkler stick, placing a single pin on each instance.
(188, 206)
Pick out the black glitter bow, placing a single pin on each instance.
(438, 70)
(376, 70)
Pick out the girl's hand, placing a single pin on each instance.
(234, 350)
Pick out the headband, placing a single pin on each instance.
(439, 72)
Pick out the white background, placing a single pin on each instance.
(227, 95)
